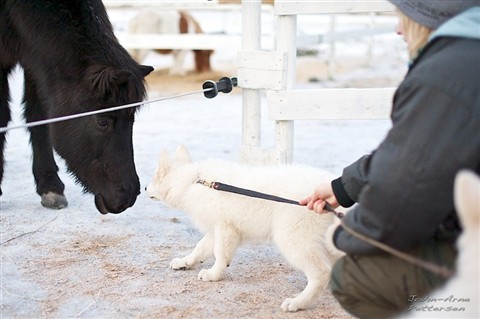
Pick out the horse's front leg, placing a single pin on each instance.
(49, 185)
(178, 67)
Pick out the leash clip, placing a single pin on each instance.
(224, 85)
(205, 183)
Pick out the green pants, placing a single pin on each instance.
(380, 286)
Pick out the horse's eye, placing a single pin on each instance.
(102, 123)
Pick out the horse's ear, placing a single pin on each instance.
(146, 70)
(121, 76)
(105, 79)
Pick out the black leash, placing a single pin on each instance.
(434, 268)
(247, 192)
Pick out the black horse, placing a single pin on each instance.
(73, 63)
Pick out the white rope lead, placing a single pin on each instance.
(111, 109)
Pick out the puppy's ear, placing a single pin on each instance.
(164, 164)
(467, 198)
(182, 155)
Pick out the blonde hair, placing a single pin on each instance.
(415, 34)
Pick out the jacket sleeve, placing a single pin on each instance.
(348, 187)
(405, 189)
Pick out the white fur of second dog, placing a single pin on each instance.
(460, 297)
(228, 220)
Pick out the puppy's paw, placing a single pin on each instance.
(290, 304)
(209, 275)
(179, 264)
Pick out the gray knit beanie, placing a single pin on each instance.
(432, 13)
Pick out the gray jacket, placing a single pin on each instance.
(404, 190)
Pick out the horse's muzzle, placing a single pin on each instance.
(104, 207)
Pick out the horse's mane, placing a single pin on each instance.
(71, 38)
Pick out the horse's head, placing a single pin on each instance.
(98, 149)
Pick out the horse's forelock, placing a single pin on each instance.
(127, 85)
(132, 91)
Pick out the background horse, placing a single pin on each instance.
(73, 63)
(170, 22)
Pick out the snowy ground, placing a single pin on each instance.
(78, 263)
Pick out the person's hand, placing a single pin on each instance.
(322, 193)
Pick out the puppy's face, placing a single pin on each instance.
(165, 178)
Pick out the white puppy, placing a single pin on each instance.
(460, 297)
(228, 219)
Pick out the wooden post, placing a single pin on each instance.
(371, 38)
(331, 59)
(287, 43)
(251, 38)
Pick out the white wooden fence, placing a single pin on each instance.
(219, 41)
(275, 71)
